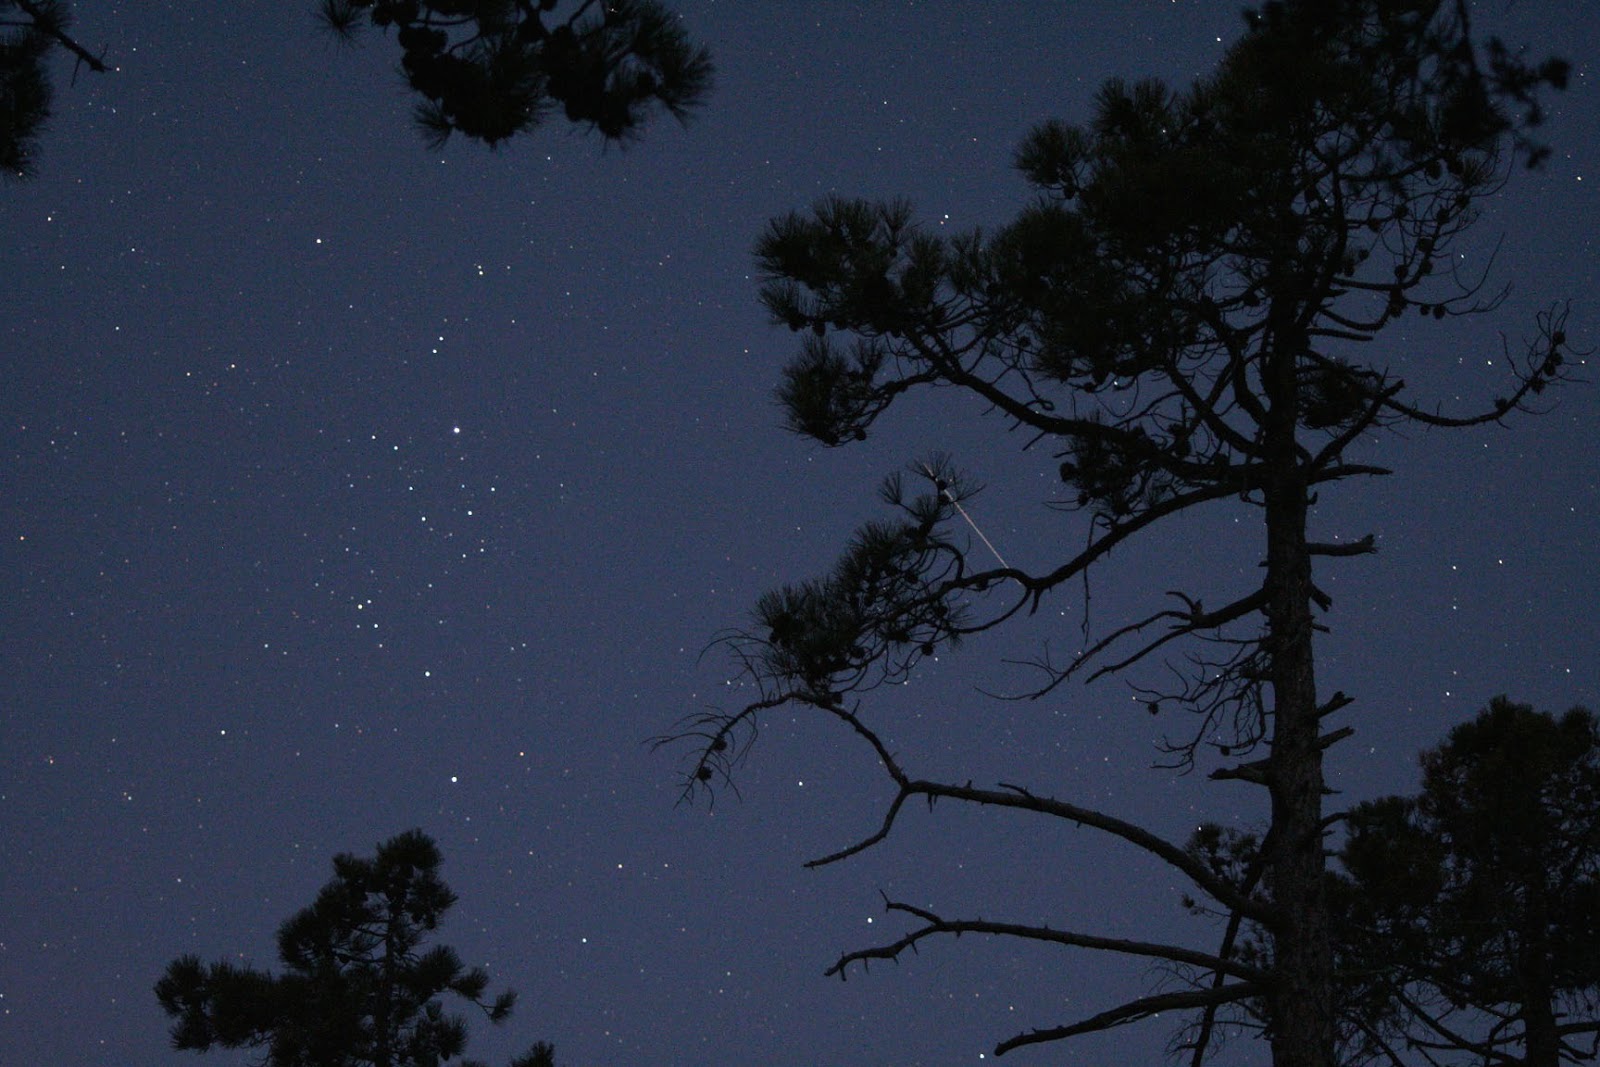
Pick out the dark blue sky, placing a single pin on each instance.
(347, 487)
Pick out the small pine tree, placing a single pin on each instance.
(1468, 915)
(358, 989)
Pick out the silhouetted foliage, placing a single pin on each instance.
(358, 986)
(1469, 914)
(1465, 919)
(30, 32)
(490, 69)
(1182, 316)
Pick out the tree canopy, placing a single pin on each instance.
(359, 988)
(1469, 914)
(30, 32)
(487, 69)
(490, 69)
(1182, 318)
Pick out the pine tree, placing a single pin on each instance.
(1183, 316)
(1468, 916)
(358, 986)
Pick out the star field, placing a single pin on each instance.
(347, 487)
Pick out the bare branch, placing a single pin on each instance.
(1121, 531)
(1363, 547)
(1135, 1010)
(1195, 620)
(1229, 938)
(1258, 772)
(933, 925)
(1016, 797)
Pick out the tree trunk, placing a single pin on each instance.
(1302, 1023)
(1541, 1042)
(382, 1022)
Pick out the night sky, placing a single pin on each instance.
(348, 487)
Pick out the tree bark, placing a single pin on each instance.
(1541, 1041)
(1302, 1018)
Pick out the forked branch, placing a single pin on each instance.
(1019, 798)
(933, 925)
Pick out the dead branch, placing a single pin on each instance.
(1135, 1010)
(933, 925)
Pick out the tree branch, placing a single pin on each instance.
(1135, 1010)
(52, 28)
(1346, 548)
(936, 925)
(1016, 797)
(1194, 621)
